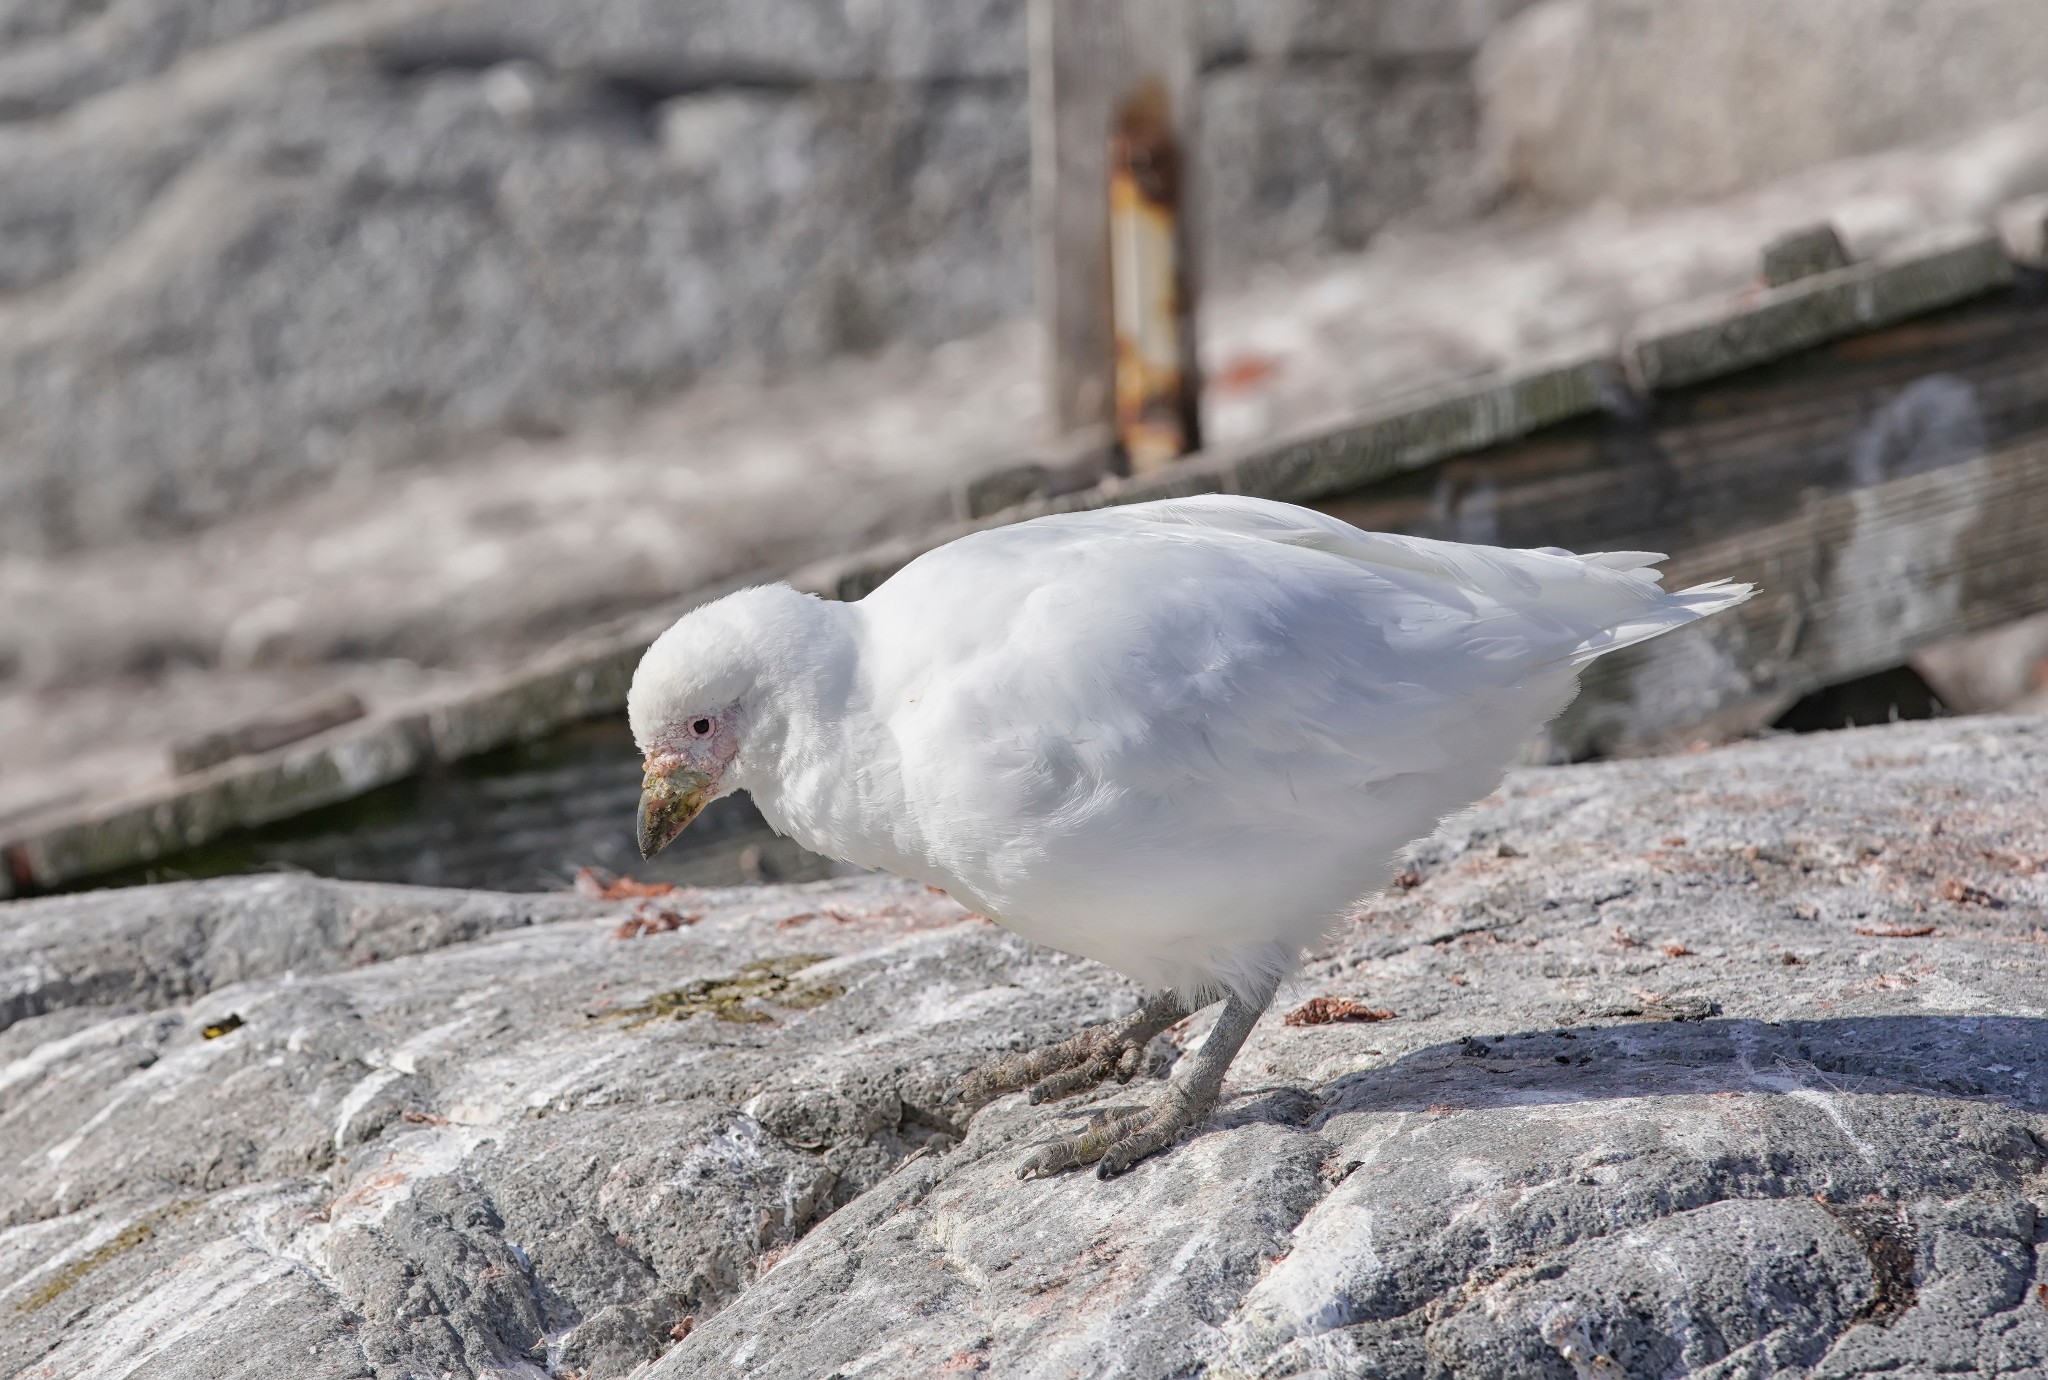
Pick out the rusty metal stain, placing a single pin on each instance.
(21, 867)
(1154, 403)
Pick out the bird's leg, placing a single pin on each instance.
(1116, 1142)
(1099, 1052)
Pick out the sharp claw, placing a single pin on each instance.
(1068, 1081)
(1116, 1137)
(1047, 1162)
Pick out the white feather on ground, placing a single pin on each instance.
(1181, 738)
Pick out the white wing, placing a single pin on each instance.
(1127, 731)
(1597, 603)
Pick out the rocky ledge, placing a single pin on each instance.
(1719, 1065)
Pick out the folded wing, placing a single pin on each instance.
(1538, 608)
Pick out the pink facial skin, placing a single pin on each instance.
(683, 773)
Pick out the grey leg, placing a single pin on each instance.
(1099, 1052)
(1114, 1143)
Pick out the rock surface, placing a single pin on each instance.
(1652, 101)
(1723, 1065)
(246, 247)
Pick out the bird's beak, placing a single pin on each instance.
(671, 796)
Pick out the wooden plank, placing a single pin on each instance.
(1802, 253)
(1691, 466)
(1088, 59)
(587, 679)
(1417, 432)
(1559, 454)
(1674, 472)
(1850, 583)
(265, 733)
(1708, 340)
(238, 794)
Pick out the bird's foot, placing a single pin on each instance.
(1118, 1137)
(1101, 1052)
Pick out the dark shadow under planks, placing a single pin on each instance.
(521, 818)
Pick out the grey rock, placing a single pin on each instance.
(1981, 672)
(157, 945)
(1655, 101)
(1725, 1064)
(2023, 226)
(488, 1162)
(246, 248)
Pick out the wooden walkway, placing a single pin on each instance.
(1870, 445)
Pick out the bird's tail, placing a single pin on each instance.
(1661, 615)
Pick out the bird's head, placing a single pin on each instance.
(701, 696)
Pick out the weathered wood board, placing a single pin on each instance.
(1884, 492)
(1556, 453)
(1674, 470)
(1849, 583)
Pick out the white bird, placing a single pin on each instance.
(1181, 738)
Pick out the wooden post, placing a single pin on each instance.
(1113, 119)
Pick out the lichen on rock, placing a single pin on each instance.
(736, 999)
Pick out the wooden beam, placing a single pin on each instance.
(1096, 64)
(1528, 459)
(1677, 470)
(1705, 340)
(1850, 583)
(1836, 480)
(265, 732)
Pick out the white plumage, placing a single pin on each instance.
(1177, 737)
(1180, 737)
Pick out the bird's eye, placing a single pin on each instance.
(700, 728)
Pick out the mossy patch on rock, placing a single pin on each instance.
(137, 1233)
(728, 999)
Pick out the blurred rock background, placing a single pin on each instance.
(1652, 101)
(249, 247)
(377, 342)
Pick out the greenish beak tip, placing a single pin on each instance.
(669, 800)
